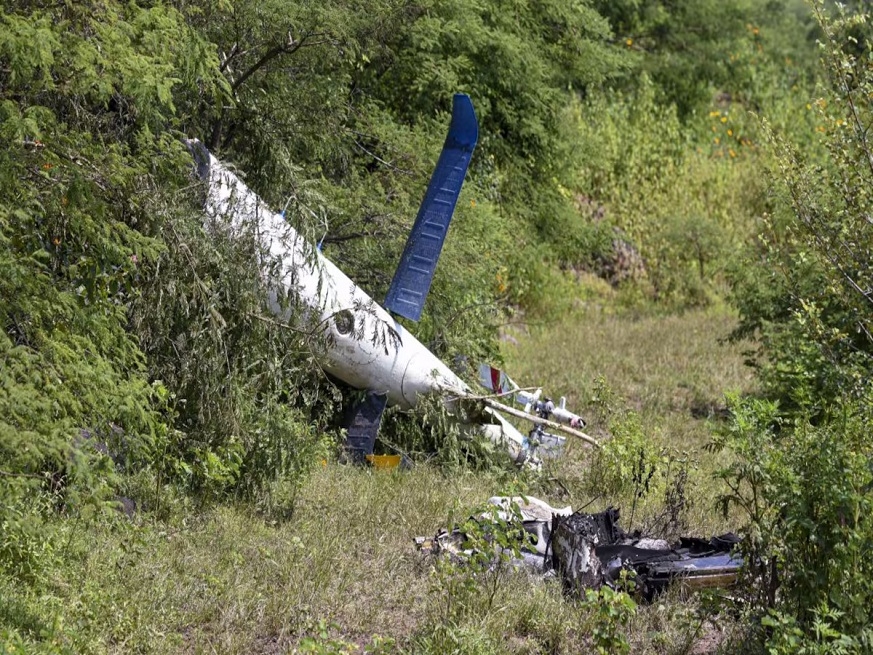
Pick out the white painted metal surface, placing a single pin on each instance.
(537, 516)
(367, 348)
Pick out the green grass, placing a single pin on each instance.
(674, 369)
(333, 560)
(671, 371)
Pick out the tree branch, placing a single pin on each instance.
(382, 161)
(225, 62)
(287, 48)
(340, 238)
(7, 474)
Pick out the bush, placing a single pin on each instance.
(805, 494)
(687, 199)
(94, 234)
(81, 92)
(801, 473)
(806, 290)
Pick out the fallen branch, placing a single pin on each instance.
(502, 394)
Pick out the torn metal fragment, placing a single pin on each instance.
(590, 550)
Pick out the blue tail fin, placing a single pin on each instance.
(417, 265)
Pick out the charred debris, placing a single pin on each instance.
(587, 551)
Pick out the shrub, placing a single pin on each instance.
(805, 494)
(806, 290)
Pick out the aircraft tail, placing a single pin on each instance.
(414, 275)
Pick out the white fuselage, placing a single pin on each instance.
(366, 347)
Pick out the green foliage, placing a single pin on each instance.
(541, 50)
(467, 584)
(695, 48)
(826, 637)
(751, 480)
(468, 640)
(808, 297)
(287, 70)
(82, 92)
(92, 230)
(685, 200)
(805, 493)
(244, 383)
(610, 611)
(323, 643)
(448, 437)
(801, 474)
(625, 461)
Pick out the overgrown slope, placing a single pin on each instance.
(621, 191)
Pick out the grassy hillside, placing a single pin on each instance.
(259, 577)
(650, 177)
(662, 378)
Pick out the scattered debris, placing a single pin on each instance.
(588, 551)
(536, 519)
(538, 409)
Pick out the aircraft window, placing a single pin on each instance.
(345, 322)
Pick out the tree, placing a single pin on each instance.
(804, 462)
(808, 295)
(87, 93)
(693, 49)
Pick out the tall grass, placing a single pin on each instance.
(332, 561)
(671, 371)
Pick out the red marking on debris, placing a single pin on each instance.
(495, 380)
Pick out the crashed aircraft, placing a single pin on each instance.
(366, 346)
(588, 551)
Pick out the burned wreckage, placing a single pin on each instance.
(392, 367)
(588, 551)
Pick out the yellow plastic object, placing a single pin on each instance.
(384, 461)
